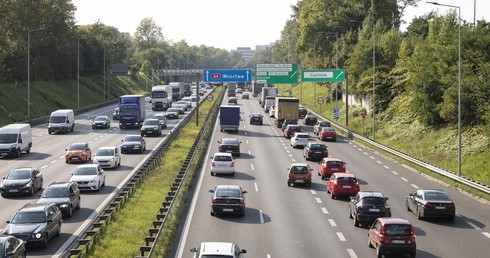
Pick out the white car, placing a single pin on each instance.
(218, 249)
(300, 140)
(88, 177)
(272, 113)
(108, 157)
(222, 163)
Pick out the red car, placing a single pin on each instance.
(302, 112)
(327, 133)
(342, 184)
(327, 166)
(290, 130)
(392, 236)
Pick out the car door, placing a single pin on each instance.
(51, 221)
(330, 183)
(37, 179)
(374, 232)
(74, 196)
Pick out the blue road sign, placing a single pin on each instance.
(227, 75)
(336, 113)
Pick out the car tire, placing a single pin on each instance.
(45, 241)
(4, 195)
(332, 195)
(451, 217)
(356, 221)
(58, 230)
(70, 212)
(419, 214)
(31, 191)
(78, 205)
(213, 174)
(379, 254)
(350, 214)
(370, 245)
(408, 206)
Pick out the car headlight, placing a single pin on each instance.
(28, 185)
(13, 146)
(37, 235)
(64, 205)
(155, 128)
(111, 160)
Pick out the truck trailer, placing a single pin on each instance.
(177, 90)
(267, 91)
(229, 118)
(131, 111)
(286, 108)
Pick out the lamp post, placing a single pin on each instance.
(459, 80)
(78, 74)
(29, 70)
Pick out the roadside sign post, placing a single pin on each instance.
(320, 101)
(336, 114)
(276, 73)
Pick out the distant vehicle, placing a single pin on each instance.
(288, 122)
(25, 180)
(319, 125)
(161, 118)
(222, 163)
(426, 203)
(392, 236)
(300, 140)
(151, 127)
(177, 90)
(88, 177)
(245, 95)
(315, 151)
(272, 113)
(230, 145)
(256, 119)
(228, 199)
(342, 184)
(61, 121)
(159, 97)
(15, 139)
(329, 165)
(78, 152)
(108, 157)
(232, 101)
(65, 194)
(302, 112)
(269, 103)
(101, 122)
(310, 120)
(239, 91)
(367, 206)
(133, 143)
(290, 130)
(327, 133)
(12, 247)
(172, 113)
(186, 104)
(218, 249)
(131, 111)
(115, 114)
(267, 91)
(299, 173)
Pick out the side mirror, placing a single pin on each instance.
(20, 140)
(386, 198)
(211, 191)
(194, 250)
(244, 192)
(352, 198)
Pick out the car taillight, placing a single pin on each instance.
(214, 201)
(451, 206)
(232, 164)
(213, 164)
(242, 201)
(427, 205)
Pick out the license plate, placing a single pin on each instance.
(13, 190)
(398, 241)
(346, 186)
(335, 169)
(318, 152)
(75, 158)
(228, 210)
(230, 151)
(374, 210)
(298, 181)
(3, 154)
(440, 207)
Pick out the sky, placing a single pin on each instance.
(227, 24)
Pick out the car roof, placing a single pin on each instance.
(159, 115)
(88, 165)
(297, 164)
(60, 184)
(221, 248)
(102, 117)
(228, 187)
(363, 194)
(300, 133)
(34, 207)
(332, 159)
(105, 148)
(223, 154)
(344, 175)
(388, 220)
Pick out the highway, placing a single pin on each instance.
(282, 221)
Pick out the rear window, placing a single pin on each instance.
(335, 163)
(228, 193)
(318, 146)
(229, 142)
(436, 196)
(397, 229)
(302, 136)
(373, 200)
(299, 170)
(346, 180)
(222, 158)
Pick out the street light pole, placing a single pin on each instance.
(459, 80)
(78, 74)
(29, 70)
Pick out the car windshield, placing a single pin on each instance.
(55, 192)
(57, 119)
(151, 122)
(346, 180)
(373, 200)
(298, 170)
(133, 138)
(77, 146)
(29, 217)
(84, 171)
(222, 158)
(215, 256)
(8, 138)
(436, 196)
(228, 193)
(101, 118)
(105, 152)
(398, 229)
(19, 174)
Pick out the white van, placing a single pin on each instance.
(14, 139)
(61, 121)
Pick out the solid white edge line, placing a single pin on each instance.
(351, 253)
(261, 217)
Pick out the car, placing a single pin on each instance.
(115, 114)
(329, 165)
(228, 199)
(245, 95)
(299, 173)
(78, 152)
(161, 118)
(272, 113)
(428, 203)
(101, 122)
(310, 119)
(88, 177)
(256, 119)
(19, 181)
(133, 143)
(187, 104)
(290, 130)
(222, 163)
(12, 247)
(230, 145)
(202, 92)
(35, 223)
(239, 91)
(188, 101)
(172, 113)
(232, 101)
(366, 206)
(392, 236)
(218, 249)
(108, 157)
(300, 140)
(151, 127)
(319, 125)
(65, 194)
(302, 112)
(181, 108)
(288, 122)
(315, 151)
(342, 184)
(327, 133)
(194, 97)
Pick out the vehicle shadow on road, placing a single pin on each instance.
(251, 215)
(238, 176)
(31, 156)
(246, 156)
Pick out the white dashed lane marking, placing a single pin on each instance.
(341, 236)
(332, 222)
(414, 186)
(404, 179)
(252, 166)
(386, 167)
(372, 157)
(351, 253)
(312, 191)
(486, 234)
(324, 210)
(379, 162)
(394, 172)
(473, 225)
(256, 187)
(261, 214)
(318, 200)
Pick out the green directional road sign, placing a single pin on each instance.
(276, 73)
(332, 75)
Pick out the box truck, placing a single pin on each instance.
(131, 111)
(229, 118)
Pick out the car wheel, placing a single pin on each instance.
(4, 195)
(370, 245)
(213, 174)
(419, 214)
(350, 214)
(212, 213)
(332, 195)
(45, 241)
(408, 206)
(78, 205)
(58, 231)
(451, 217)
(356, 221)
(70, 212)
(379, 254)
(31, 191)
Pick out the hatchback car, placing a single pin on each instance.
(151, 127)
(222, 163)
(290, 130)
(302, 111)
(35, 224)
(327, 133)
(344, 184)
(101, 122)
(319, 125)
(20, 181)
(228, 199)
(88, 177)
(431, 203)
(300, 140)
(161, 118)
(172, 113)
(218, 249)
(65, 194)
(232, 101)
(12, 247)
(133, 143)
(367, 206)
(256, 119)
(315, 151)
(115, 114)
(230, 145)
(108, 157)
(299, 173)
(310, 120)
(329, 165)
(245, 95)
(78, 152)
(392, 236)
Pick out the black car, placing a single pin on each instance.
(367, 206)
(172, 113)
(151, 127)
(161, 118)
(256, 119)
(315, 151)
(36, 223)
(228, 199)
(310, 120)
(133, 143)
(230, 145)
(115, 114)
(19, 181)
(101, 122)
(12, 247)
(65, 194)
(431, 203)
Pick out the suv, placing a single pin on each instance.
(367, 207)
(218, 249)
(392, 235)
(36, 223)
(65, 194)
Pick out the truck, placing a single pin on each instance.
(286, 109)
(131, 111)
(232, 89)
(257, 89)
(15, 139)
(177, 90)
(229, 118)
(267, 91)
(187, 89)
(159, 98)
